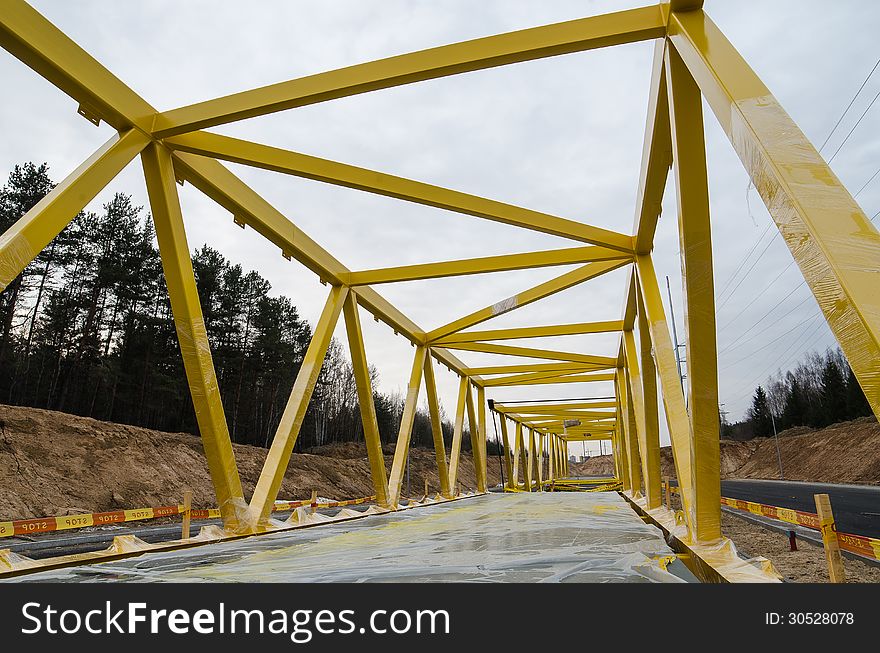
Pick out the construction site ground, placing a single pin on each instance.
(54, 464)
(525, 537)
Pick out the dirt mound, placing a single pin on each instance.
(848, 452)
(55, 464)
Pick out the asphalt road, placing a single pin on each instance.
(856, 507)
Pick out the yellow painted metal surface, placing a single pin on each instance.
(365, 398)
(21, 243)
(695, 242)
(191, 333)
(835, 246)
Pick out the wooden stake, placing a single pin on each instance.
(314, 501)
(668, 487)
(426, 487)
(829, 539)
(187, 511)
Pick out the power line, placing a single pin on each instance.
(865, 185)
(849, 106)
(745, 260)
(765, 316)
(839, 147)
(760, 349)
(752, 267)
(755, 298)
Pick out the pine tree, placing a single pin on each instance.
(833, 400)
(794, 413)
(856, 402)
(759, 414)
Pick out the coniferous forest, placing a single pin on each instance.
(87, 329)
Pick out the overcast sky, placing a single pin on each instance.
(561, 135)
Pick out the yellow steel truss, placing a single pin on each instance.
(831, 239)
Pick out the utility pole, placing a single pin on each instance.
(776, 438)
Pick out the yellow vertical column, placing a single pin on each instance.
(695, 234)
(401, 451)
(540, 462)
(365, 398)
(650, 466)
(476, 452)
(524, 458)
(191, 334)
(436, 426)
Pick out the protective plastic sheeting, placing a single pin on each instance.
(537, 537)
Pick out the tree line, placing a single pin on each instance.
(821, 390)
(87, 329)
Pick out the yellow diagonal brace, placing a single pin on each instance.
(574, 378)
(401, 452)
(508, 461)
(191, 333)
(361, 371)
(587, 405)
(695, 239)
(670, 383)
(482, 437)
(629, 431)
(502, 263)
(457, 430)
(478, 54)
(551, 287)
(21, 243)
(649, 455)
(656, 156)
(531, 367)
(534, 332)
(341, 174)
(229, 191)
(287, 432)
(835, 245)
(515, 379)
(27, 35)
(474, 420)
(436, 426)
(528, 352)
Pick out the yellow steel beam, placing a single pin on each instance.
(27, 35)
(524, 460)
(528, 352)
(656, 156)
(515, 379)
(674, 406)
(457, 431)
(478, 54)
(835, 245)
(624, 391)
(275, 466)
(502, 263)
(401, 451)
(27, 237)
(551, 287)
(651, 455)
(572, 414)
(531, 367)
(695, 239)
(482, 438)
(224, 187)
(365, 399)
(508, 462)
(340, 174)
(574, 378)
(648, 455)
(191, 333)
(586, 405)
(533, 332)
(436, 427)
(622, 464)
